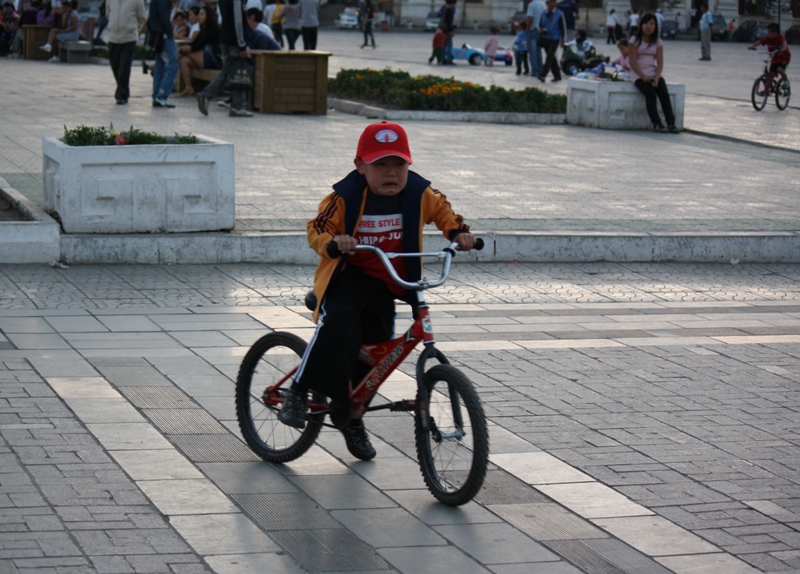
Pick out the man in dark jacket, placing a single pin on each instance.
(233, 37)
(159, 26)
(448, 25)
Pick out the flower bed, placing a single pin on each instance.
(399, 89)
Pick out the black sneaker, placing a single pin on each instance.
(202, 103)
(355, 435)
(673, 129)
(293, 411)
(659, 129)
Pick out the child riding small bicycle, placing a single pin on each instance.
(777, 46)
(380, 203)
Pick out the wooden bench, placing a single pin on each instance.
(74, 52)
(35, 36)
(200, 79)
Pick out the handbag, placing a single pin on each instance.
(240, 76)
(154, 40)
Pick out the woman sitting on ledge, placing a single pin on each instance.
(646, 55)
(203, 52)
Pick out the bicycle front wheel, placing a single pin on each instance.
(760, 93)
(264, 376)
(783, 93)
(454, 452)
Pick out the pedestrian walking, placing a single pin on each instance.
(611, 26)
(535, 42)
(447, 24)
(125, 19)
(159, 26)
(706, 21)
(521, 49)
(309, 23)
(233, 38)
(553, 28)
(369, 18)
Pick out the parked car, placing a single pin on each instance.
(792, 35)
(432, 21)
(669, 31)
(719, 29)
(348, 19)
(750, 31)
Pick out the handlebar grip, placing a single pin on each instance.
(479, 244)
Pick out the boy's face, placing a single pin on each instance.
(623, 50)
(386, 176)
(772, 34)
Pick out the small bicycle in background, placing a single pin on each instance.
(451, 436)
(763, 87)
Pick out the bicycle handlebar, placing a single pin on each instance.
(447, 254)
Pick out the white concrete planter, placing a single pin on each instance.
(140, 188)
(615, 105)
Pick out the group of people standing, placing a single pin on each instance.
(549, 26)
(215, 37)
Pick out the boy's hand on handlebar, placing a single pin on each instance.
(346, 244)
(466, 241)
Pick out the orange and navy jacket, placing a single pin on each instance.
(340, 214)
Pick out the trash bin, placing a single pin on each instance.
(385, 26)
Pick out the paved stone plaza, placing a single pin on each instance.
(644, 416)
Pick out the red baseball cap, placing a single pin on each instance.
(382, 140)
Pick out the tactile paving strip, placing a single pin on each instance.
(502, 488)
(330, 550)
(214, 448)
(135, 376)
(547, 521)
(158, 397)
(607, 556)
(285, 511)
(184, 421)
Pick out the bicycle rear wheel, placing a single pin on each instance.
(269, 362)
(760, 93)
(783, 93)
(454, 452)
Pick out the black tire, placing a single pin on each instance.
(453, 467)
(571, 68)
(783, 93)
(760, 93)
(267, 362)
(475, 59)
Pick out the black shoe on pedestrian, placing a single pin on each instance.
(673, 129)
(144, 68)
(202, 103)
(659, 129)
(122, 102)
(293, 411)
(554, 80)
(542, 78)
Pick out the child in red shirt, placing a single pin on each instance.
(776, 44)
(438, 46)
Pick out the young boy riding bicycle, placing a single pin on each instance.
(776, 44)
(380, 203)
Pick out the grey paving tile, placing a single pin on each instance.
(388, 528)
(334, 492)
(495, 543)
(436, 559)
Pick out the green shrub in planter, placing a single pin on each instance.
(399, 89)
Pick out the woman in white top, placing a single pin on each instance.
(611, 26)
